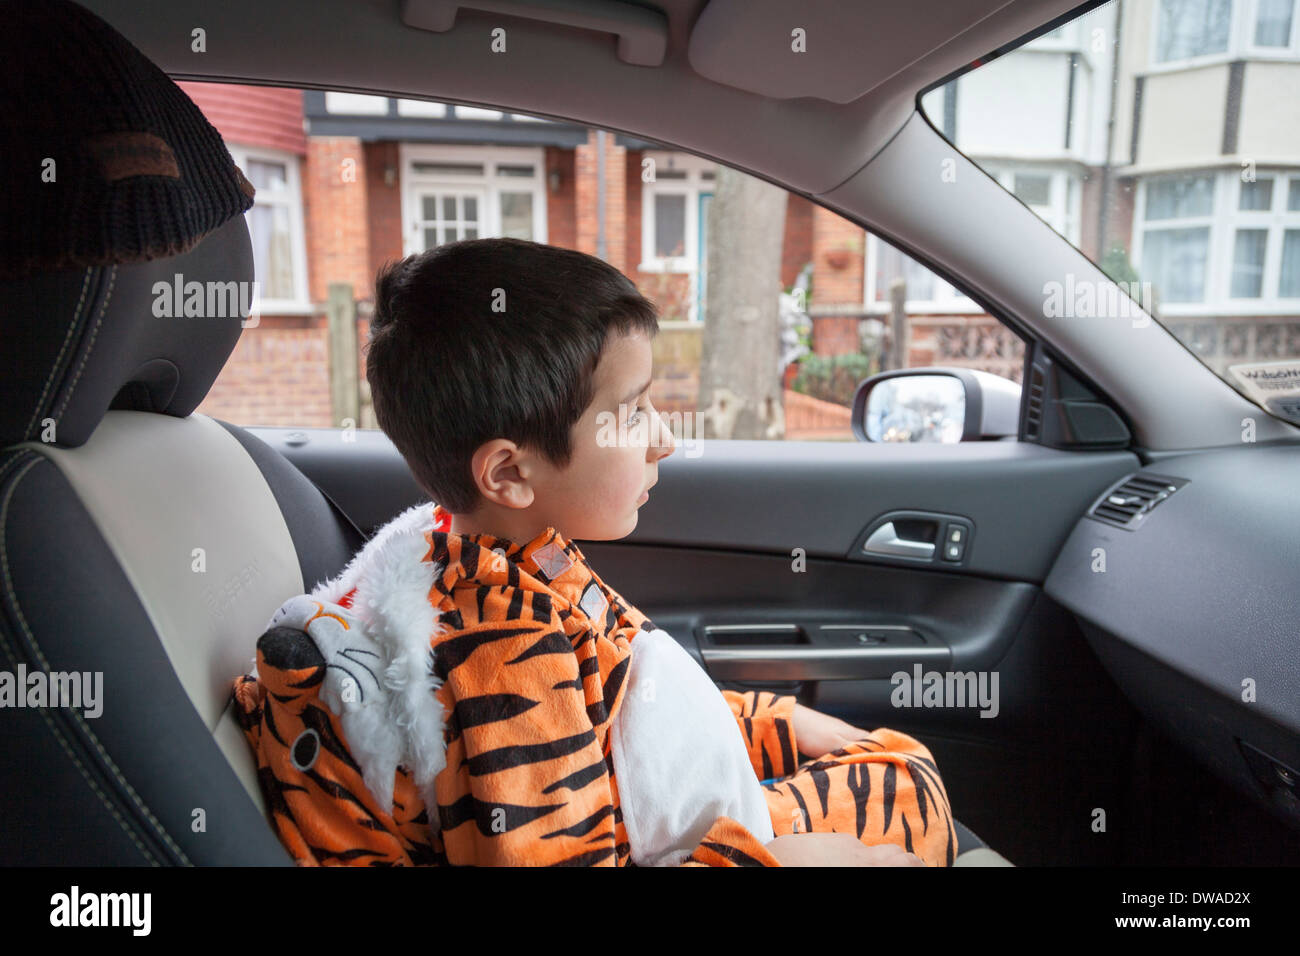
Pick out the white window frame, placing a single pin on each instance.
(690, 187)
(301, 303)
(1141, 225)
(1057, 213)
(1241, 40)
(949, 300)
(490, 185)
(355, 104)
(1290, 51)
(1224, 221)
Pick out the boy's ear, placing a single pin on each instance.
(501, 470)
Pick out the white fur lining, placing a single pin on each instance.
(391, 615)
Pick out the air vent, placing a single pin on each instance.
(1034, 412)
(1127, 504)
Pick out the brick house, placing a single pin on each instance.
(348, 181)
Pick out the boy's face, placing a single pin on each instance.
(617, 445)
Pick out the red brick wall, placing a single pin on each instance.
(838, 270)
(252, 115)
(335, 213)
(275, 377)
(586, 180)
(797, 250)
(836, 335)
(384, 208)
(985, 343)
(811, 419)
(838, 261)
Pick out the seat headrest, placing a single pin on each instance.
(148, 336)
(125, 264)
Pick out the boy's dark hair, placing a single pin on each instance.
(491, 338)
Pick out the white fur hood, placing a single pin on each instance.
(379, 679)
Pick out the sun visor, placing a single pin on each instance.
(816, 48)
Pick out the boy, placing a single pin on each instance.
(514, 379)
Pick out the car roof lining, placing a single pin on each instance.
(820, 145)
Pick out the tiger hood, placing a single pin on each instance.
(680, 760)
(373, 623)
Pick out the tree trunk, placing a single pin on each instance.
(740, 382)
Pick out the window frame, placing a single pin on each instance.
(1224, 219)
(951, 302)
(1241, 40)
(1231, 43)
(491, 184)
(691, 187)
(1292, 47)
(300, 303)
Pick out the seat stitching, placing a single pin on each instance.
(12, 655)
(90, 346)
(22, 621)
(40, 401)
(112, 808)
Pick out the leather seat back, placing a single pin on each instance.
(145, 547)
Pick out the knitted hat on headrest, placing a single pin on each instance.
(104, 158)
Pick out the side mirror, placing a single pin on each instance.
(937, 405)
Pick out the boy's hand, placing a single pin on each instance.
(837, 849)
(816, 733)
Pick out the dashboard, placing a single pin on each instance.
(1185, 579)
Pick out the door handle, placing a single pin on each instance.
(885, 540)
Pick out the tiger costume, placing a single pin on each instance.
(529, 660)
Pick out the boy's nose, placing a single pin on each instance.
(664, 441)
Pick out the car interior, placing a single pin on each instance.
(1148, 702)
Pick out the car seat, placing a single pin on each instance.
(146, 543)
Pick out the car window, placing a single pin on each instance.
(1162, 139)
(346, 182)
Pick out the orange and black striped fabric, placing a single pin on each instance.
(532, 658)
(883, 788)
